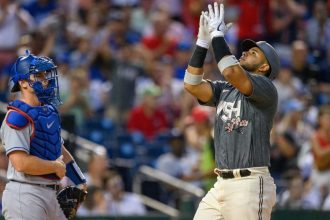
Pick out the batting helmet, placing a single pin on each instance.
(270, 54)
(28, 65)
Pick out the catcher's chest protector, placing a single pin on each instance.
(45, 140)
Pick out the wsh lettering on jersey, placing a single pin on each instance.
(230, 113)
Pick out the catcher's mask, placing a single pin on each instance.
(45, 77)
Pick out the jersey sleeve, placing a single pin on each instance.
(15, 139)
(264, 92)
(217, 87)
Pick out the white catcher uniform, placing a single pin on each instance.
(27, 197)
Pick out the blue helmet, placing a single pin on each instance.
(28, 65)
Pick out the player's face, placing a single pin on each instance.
(252, 59)
(42, 77)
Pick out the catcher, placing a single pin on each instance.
(31, 137)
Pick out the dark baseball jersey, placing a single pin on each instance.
(243, 123)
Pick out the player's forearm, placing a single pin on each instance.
(193, 80)
(72, 169)
(196, 72)
(67, 157)
(33, 165)
(229, 66)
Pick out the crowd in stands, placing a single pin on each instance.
(121, 65)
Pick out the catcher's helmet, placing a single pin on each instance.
(28, 65)
(270, 54)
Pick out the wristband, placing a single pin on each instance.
(227, 62)
(74, 173)
(192, 79)
(198, 57)
(220, 48)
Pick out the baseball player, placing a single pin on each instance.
(245, 107)
(30, 134)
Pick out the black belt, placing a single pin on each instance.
(229, 174)
(55, 187)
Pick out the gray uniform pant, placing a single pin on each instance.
(22, 201)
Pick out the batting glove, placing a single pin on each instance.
(215, 19)
(203, 37)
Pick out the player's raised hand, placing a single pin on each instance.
(60, 167)
(215, 19)
(203, 37)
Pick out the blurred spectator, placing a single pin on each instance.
(63, 71)
(162, 75)
(97, 170)
(199, 133)
(288, 86)
(318, 27)
(287, 21)
(301, 66)
(120, 202)
(179, 161)
(283, 155)
(76, 102)
(83, 55)
(299, 195)
(124, 75)
(99, 83)
(14, 22)
(159, 43)
(147, 117)
(174, 7)
(320, 142)
(41, 9)
(117, 32)
(191, 13)
(141, 16)
(95, 203)
(181, 57)
(199, 130)
(293, 122)
(317, 38)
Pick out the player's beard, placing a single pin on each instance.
(249, 67)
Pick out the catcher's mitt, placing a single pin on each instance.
(70, 199)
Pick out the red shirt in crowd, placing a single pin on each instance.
(148, 125)
(254, 20)
(155, 43)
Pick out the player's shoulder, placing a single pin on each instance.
(17, 120)
(261, 79)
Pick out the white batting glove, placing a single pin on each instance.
(203, 37)
(215, 19)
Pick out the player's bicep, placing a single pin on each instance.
(264, 92)
(203, 91)
(16, 140)
(17, 159)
